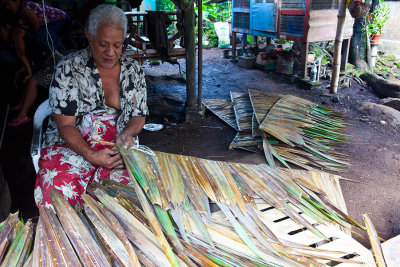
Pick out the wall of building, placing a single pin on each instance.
(391, 33)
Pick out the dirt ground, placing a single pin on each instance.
(374, 153)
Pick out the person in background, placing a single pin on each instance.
(32, 56)
(96, 94)
(33, 18)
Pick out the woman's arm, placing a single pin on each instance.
(66, 126)
(33, 20)
(17, 36)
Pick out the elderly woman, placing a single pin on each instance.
(96, 93)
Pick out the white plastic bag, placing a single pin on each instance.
(222, 30)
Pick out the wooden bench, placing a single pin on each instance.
(143, 47)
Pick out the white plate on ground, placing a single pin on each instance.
(153, 127)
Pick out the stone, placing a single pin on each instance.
(307, 85)
(170, 105)
(194, 114)
(381, 86)
(391, 102)
(378, 112)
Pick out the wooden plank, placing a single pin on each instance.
(340, 242)
(304, 56)
(391, 251)
(323, 23)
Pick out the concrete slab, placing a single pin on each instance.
(391, 251)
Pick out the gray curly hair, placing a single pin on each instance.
(106, 15)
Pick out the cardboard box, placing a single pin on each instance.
(246, 62)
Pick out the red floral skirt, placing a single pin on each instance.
(69, 173)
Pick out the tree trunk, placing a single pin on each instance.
(200, 54)
(382, 87)
(189, 39)
(358, 47)
(338, 47)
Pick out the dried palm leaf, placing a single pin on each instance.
(28, 262)
(57, 242)
(8, 227)
(301, 123)
(243, 111)
(3, 248)
(374, 240)
(233, 187)
(223, 109)
(85, 246)
(136, 232)
(246, 141)
(19, 248)
(114, 245)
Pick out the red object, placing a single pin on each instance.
(69, 173)
(376, 38)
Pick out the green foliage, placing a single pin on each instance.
(213, 12)
(358, 73)
(154, 62)
(164, 5)
(282, 41)
(387, 66)
(317, 50)
(377, 18)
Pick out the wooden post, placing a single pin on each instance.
(200, 54)
(345, 54)
(233, 45)
(304, 56)
(189, 38)
(338, 47)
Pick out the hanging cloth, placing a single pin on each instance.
(155, 28)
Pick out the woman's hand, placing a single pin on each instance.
(108, 158)
(66, 126)
(27, 77)
(126, 140)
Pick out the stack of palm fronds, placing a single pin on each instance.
(164, 218)
(288, 128)
(15, 241)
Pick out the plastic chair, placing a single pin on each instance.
(42, 112)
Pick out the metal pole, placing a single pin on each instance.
(200, 54)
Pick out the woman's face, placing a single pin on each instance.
(11, 5)
(106, 45)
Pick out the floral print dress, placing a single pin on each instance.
(76, 90)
